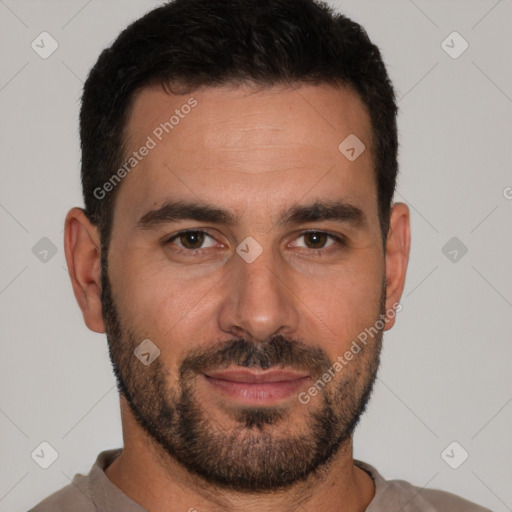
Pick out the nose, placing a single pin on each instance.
(258, 300)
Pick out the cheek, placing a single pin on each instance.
(163, 302)
(179, 309)
(344, 303)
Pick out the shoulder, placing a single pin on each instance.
(442, 500)
(84, 493)
(400, 495)
(414, 498)
(72, 498)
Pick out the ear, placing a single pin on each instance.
(397, 257)
(82, 248)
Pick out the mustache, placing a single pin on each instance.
(278, 351)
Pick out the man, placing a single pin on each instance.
(240, 248)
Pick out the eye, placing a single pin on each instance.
(194, 241)
(191, 240)
(318, 240)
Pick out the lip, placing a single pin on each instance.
(250, 376)
(252, 387)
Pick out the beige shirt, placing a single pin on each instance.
(96, 493)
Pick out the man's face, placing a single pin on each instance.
(212, 302)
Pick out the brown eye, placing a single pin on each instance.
(315, 239)
(192, 239)
(319, 243)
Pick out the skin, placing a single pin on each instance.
(255, 153)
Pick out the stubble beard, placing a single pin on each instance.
(261, 453)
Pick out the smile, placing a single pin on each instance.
(256, 388)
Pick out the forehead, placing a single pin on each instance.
(265, 146)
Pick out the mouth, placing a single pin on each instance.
(252, 387)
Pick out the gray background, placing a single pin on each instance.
(445, 374)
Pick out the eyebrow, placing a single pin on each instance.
(335, 210)
(320, 210)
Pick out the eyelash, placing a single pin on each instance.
(340, 241)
